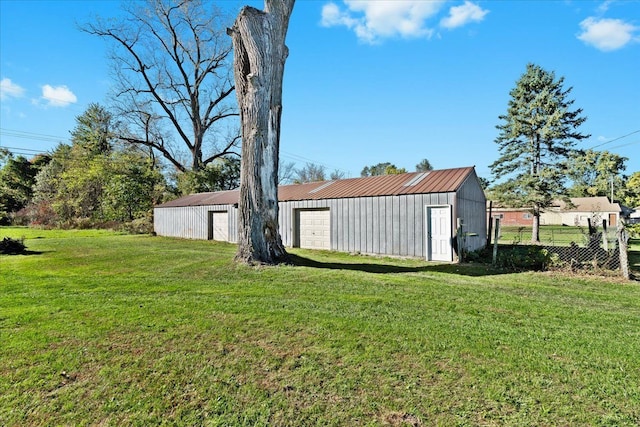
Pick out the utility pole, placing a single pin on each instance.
(611, 188)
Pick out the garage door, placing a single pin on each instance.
(314, 230)
(219, 226)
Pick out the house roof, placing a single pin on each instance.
(590, 204)
(580, 204)
(436, 181)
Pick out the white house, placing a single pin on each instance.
(581, 210)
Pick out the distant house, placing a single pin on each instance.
(634, 216)
(412, 214)
(596, 209)
(577, 213)
(513, 216)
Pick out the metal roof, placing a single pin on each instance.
(436, 181)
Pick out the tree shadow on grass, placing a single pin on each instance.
(473, 270)
(25, 252)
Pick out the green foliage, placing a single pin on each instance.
(634, 230)
(17, 177)
(535, 138)
(524, 258)
(382, 169)
(94, 130)
(592, 173)
(223, 174)
(95, 181)
(424, 166)
(632, 191)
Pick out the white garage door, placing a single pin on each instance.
(314, 230)
(219, 226)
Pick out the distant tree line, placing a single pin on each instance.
(98, 180)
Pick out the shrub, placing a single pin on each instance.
(634, 230)
(9, 246)
(524, 257)
(139, 226)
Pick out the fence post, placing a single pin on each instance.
(460, 240)
(605, 240)
(623, 239)
(490, 224)
(495, 242)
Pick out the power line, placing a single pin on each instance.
(53, 138)
(12, 149)
(31, 135)
(624, 145)
(614, 139)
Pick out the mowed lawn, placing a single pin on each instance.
(104, 329)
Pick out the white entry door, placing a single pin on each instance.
(439, 233)
(219, 226)
(314, 229)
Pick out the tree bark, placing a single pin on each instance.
(259, 58)
(535, 230)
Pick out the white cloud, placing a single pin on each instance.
(58, 96)
(604, 6)
(607, 34)
(375, 20)
(9, 89)
(462, 15)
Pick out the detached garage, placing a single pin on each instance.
(414, 214)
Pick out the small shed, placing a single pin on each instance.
(419, 214)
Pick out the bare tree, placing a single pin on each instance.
(172, 68)
(310, 173)
(286, 172)
(259, 57)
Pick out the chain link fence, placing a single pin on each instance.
(575, 248)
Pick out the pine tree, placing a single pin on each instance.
(536, 137)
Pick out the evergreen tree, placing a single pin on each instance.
(536, 137)
(424, 166)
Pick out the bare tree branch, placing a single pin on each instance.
(173, 79)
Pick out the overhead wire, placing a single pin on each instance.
(615, 139)
(57, 139)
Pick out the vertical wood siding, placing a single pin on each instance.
(192, 222)
(470, 199)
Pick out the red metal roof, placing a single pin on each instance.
(437, 181)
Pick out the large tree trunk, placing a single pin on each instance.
(535, 231)
(259, 57)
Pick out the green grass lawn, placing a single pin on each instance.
(555, 235)
(105, 329)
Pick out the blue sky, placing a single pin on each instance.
(366, 81)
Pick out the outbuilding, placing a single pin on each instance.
(419, 214)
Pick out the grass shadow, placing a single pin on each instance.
(472, 270)
(25, 253)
